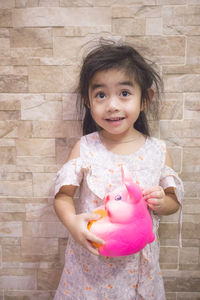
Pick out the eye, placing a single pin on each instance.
(118, 197)
(125, 93)
(100, 95)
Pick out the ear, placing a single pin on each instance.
(128, 182)
(150, 97)
(133, 189)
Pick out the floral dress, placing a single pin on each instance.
(98, 171)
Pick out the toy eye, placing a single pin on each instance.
(118, 197)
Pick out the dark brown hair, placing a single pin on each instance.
(109, 54)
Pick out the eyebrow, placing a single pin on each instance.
(96, 85)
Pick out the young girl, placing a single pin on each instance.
(116, 86)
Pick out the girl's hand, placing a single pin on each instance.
(154, 197)
(79, 231)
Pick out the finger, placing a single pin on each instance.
(91, 216)
(153, 201)
(93, 238)
(154, 194)
(92, 249)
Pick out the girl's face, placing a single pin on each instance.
(115, 102)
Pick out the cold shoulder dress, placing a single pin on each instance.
(97, 171)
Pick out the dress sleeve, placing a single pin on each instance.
(70, 174)
(169, 178)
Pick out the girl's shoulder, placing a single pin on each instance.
(158, 143)
(85, 142)
(90, 140)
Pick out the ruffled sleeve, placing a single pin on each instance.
(169, 178)
(70, 174)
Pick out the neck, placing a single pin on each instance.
(121, 139)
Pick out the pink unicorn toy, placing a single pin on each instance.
(125, 224)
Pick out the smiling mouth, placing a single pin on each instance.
(115, 119)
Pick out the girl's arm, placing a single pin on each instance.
(163, 202)
(76, 224)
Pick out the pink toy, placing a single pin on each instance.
(126, 225)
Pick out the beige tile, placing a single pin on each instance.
(181, 133)
(5, 17)
(192, 106)
(39, 246)
(7, 155)
(62, 47)
(7, 4)
(191, 162)
(13, 84)
(40, 213)
(31, 38)
(16, 188)
(51, 79)
(128, 26)
(39, 109)
(63, 149)
(10, 229)
(30, 295)
(26, 281)
(48, 279)
(154, 26)
(35, 163)
(160, 46)
(42, 184)
(169, 257)
(189, 255)
(44, 229)
(35, 147)
(138, 11)
(125, 2)
(56, 129)
(176, 155)
(172, 107)
(51, 16)
(188, 296)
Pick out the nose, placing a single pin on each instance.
(113, 103)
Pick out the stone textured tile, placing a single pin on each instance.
(128, 26)
(42, 17)
(5, 17)
(48, 278)
(57, 129)
(7, 155)
(154, 26)
(192, 106)
(35, 147)
(172, 107)
(13, 84)
(188, 296)
(191, 163)
(161, 46)
(39, 212)
(31, 38)
(63, 148)
(62, 47)
(10, 229)
(137, 10)
(7, 4)
(169, 257)
(39, 246)
(44, 229)
(51, 79)
(42, 184)
(182, 83)
(16, 188)
(29, 295)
